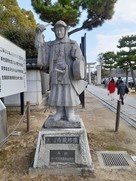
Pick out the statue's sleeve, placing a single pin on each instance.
(39, 39)
(43, 54)
(43, 51)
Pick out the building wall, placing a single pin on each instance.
(34, 88)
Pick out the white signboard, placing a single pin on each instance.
(12, 68)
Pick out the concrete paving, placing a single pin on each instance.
(129, 107)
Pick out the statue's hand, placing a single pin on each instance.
(40, 28)
(60, 67)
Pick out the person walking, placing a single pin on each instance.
(118, 81)
(122, 90)
(111, 88)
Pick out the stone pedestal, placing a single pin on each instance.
(62, 151)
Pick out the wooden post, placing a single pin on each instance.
(82, 99)
(22, 102)
(117, 116)
(28, 115)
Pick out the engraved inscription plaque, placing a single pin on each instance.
(61, 140)
(62, 156)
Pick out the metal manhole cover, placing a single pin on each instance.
(114, 159)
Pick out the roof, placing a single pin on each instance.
(32, 64)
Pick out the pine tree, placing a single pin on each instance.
(127, 54)
(70, 11)
(109, 60)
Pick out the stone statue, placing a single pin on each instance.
(64, 59)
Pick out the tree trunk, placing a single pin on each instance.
(126, 77)
(75, 30)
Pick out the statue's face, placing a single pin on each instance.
(60, 32)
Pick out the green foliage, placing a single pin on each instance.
(127, 42)
(18, 25)
(70, 11)
(25, 40)
(99, 11)
(109, 60)
(127, 54)
(65, 10)
(12, 16)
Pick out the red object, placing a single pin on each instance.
(111, 87)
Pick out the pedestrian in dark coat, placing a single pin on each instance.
(118, 81)
(122, 90)
(111, 88)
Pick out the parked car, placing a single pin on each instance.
(131, 83)
(124, 79)
(105, 81)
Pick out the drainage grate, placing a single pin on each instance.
(114, 159)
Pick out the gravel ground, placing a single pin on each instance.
(18, 152)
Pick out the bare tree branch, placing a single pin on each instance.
(85, 25)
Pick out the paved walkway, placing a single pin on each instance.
(128, 109)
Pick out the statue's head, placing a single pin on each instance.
(60, 23)
(60, 29)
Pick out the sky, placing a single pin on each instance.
(103, 38)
